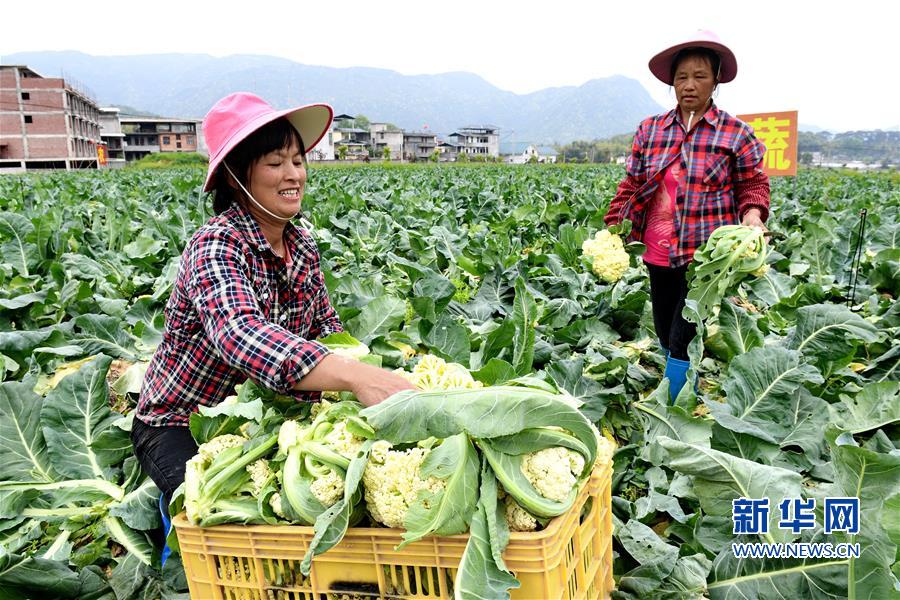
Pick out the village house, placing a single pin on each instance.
(46, 123)
(533, 154)
(148, 135)
(112, 137)
(477, 141)
(418, 145)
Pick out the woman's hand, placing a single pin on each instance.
(752, 219)
(372, 384)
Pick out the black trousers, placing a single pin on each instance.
(668, 290)
(162, 452)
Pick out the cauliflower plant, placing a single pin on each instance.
(607, 252)
(392, 482)
(553, 471)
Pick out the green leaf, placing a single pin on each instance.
(876, 406)
(23, 577)
(73, 416)
(142, 247)
(495, 372)
(446, 338)
(644, 545)
(773, 287)
(829, 332)
(720, 478)
(332, 524)
(25, 455)
(21, 255)
(23, 300)
(770, 578)
(410, 416)
(662, 420)
(524, 319)
(103, 334)
(758, 391)
(737, 333)
(377, 318)
(584, 331)
(135, 542)
(482, 571)
(139, 509)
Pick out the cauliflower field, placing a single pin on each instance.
(494, 269)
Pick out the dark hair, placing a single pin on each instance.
(277, 135)
(705, 53)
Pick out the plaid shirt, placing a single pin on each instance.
(723, 178)
(237, 311)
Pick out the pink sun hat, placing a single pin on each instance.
(661, 64)
(233, 118)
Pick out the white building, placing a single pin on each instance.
(533, 154)
(384, 135)
(477, 141)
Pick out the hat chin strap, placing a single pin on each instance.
(252, 199)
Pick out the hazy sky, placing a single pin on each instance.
(835, 62)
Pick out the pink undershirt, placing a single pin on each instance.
(659, 228)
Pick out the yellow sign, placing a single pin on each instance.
(778, 131)
(101, 155)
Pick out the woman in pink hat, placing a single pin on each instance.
(249, 300)
(691, 170)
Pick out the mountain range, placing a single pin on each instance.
(187, 85)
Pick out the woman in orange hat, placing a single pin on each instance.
(249, 300)
(691, 170)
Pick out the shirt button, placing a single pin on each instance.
(282, 318)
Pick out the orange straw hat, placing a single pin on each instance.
(661, 64)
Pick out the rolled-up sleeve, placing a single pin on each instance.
(223, 296)
(326, 318)
(751, 184)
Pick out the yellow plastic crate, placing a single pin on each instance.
(570, 559)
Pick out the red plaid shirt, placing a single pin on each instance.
(237, 311)
(723, 179)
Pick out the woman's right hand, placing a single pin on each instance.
(372, 385)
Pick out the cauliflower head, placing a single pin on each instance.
(342, 441)
(260, 473)
(434, 373)
(392, 482)
(517, 517)
(211, 449)
(328, 489)
(553, 471)
(608, 256)
(605, 450)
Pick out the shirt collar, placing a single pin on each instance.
(244, 222)
(711, 116)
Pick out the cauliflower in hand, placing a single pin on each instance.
(608, 255)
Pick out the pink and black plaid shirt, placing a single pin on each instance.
(237, 311)
(723, 178)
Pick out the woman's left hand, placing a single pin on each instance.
(752, 219)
